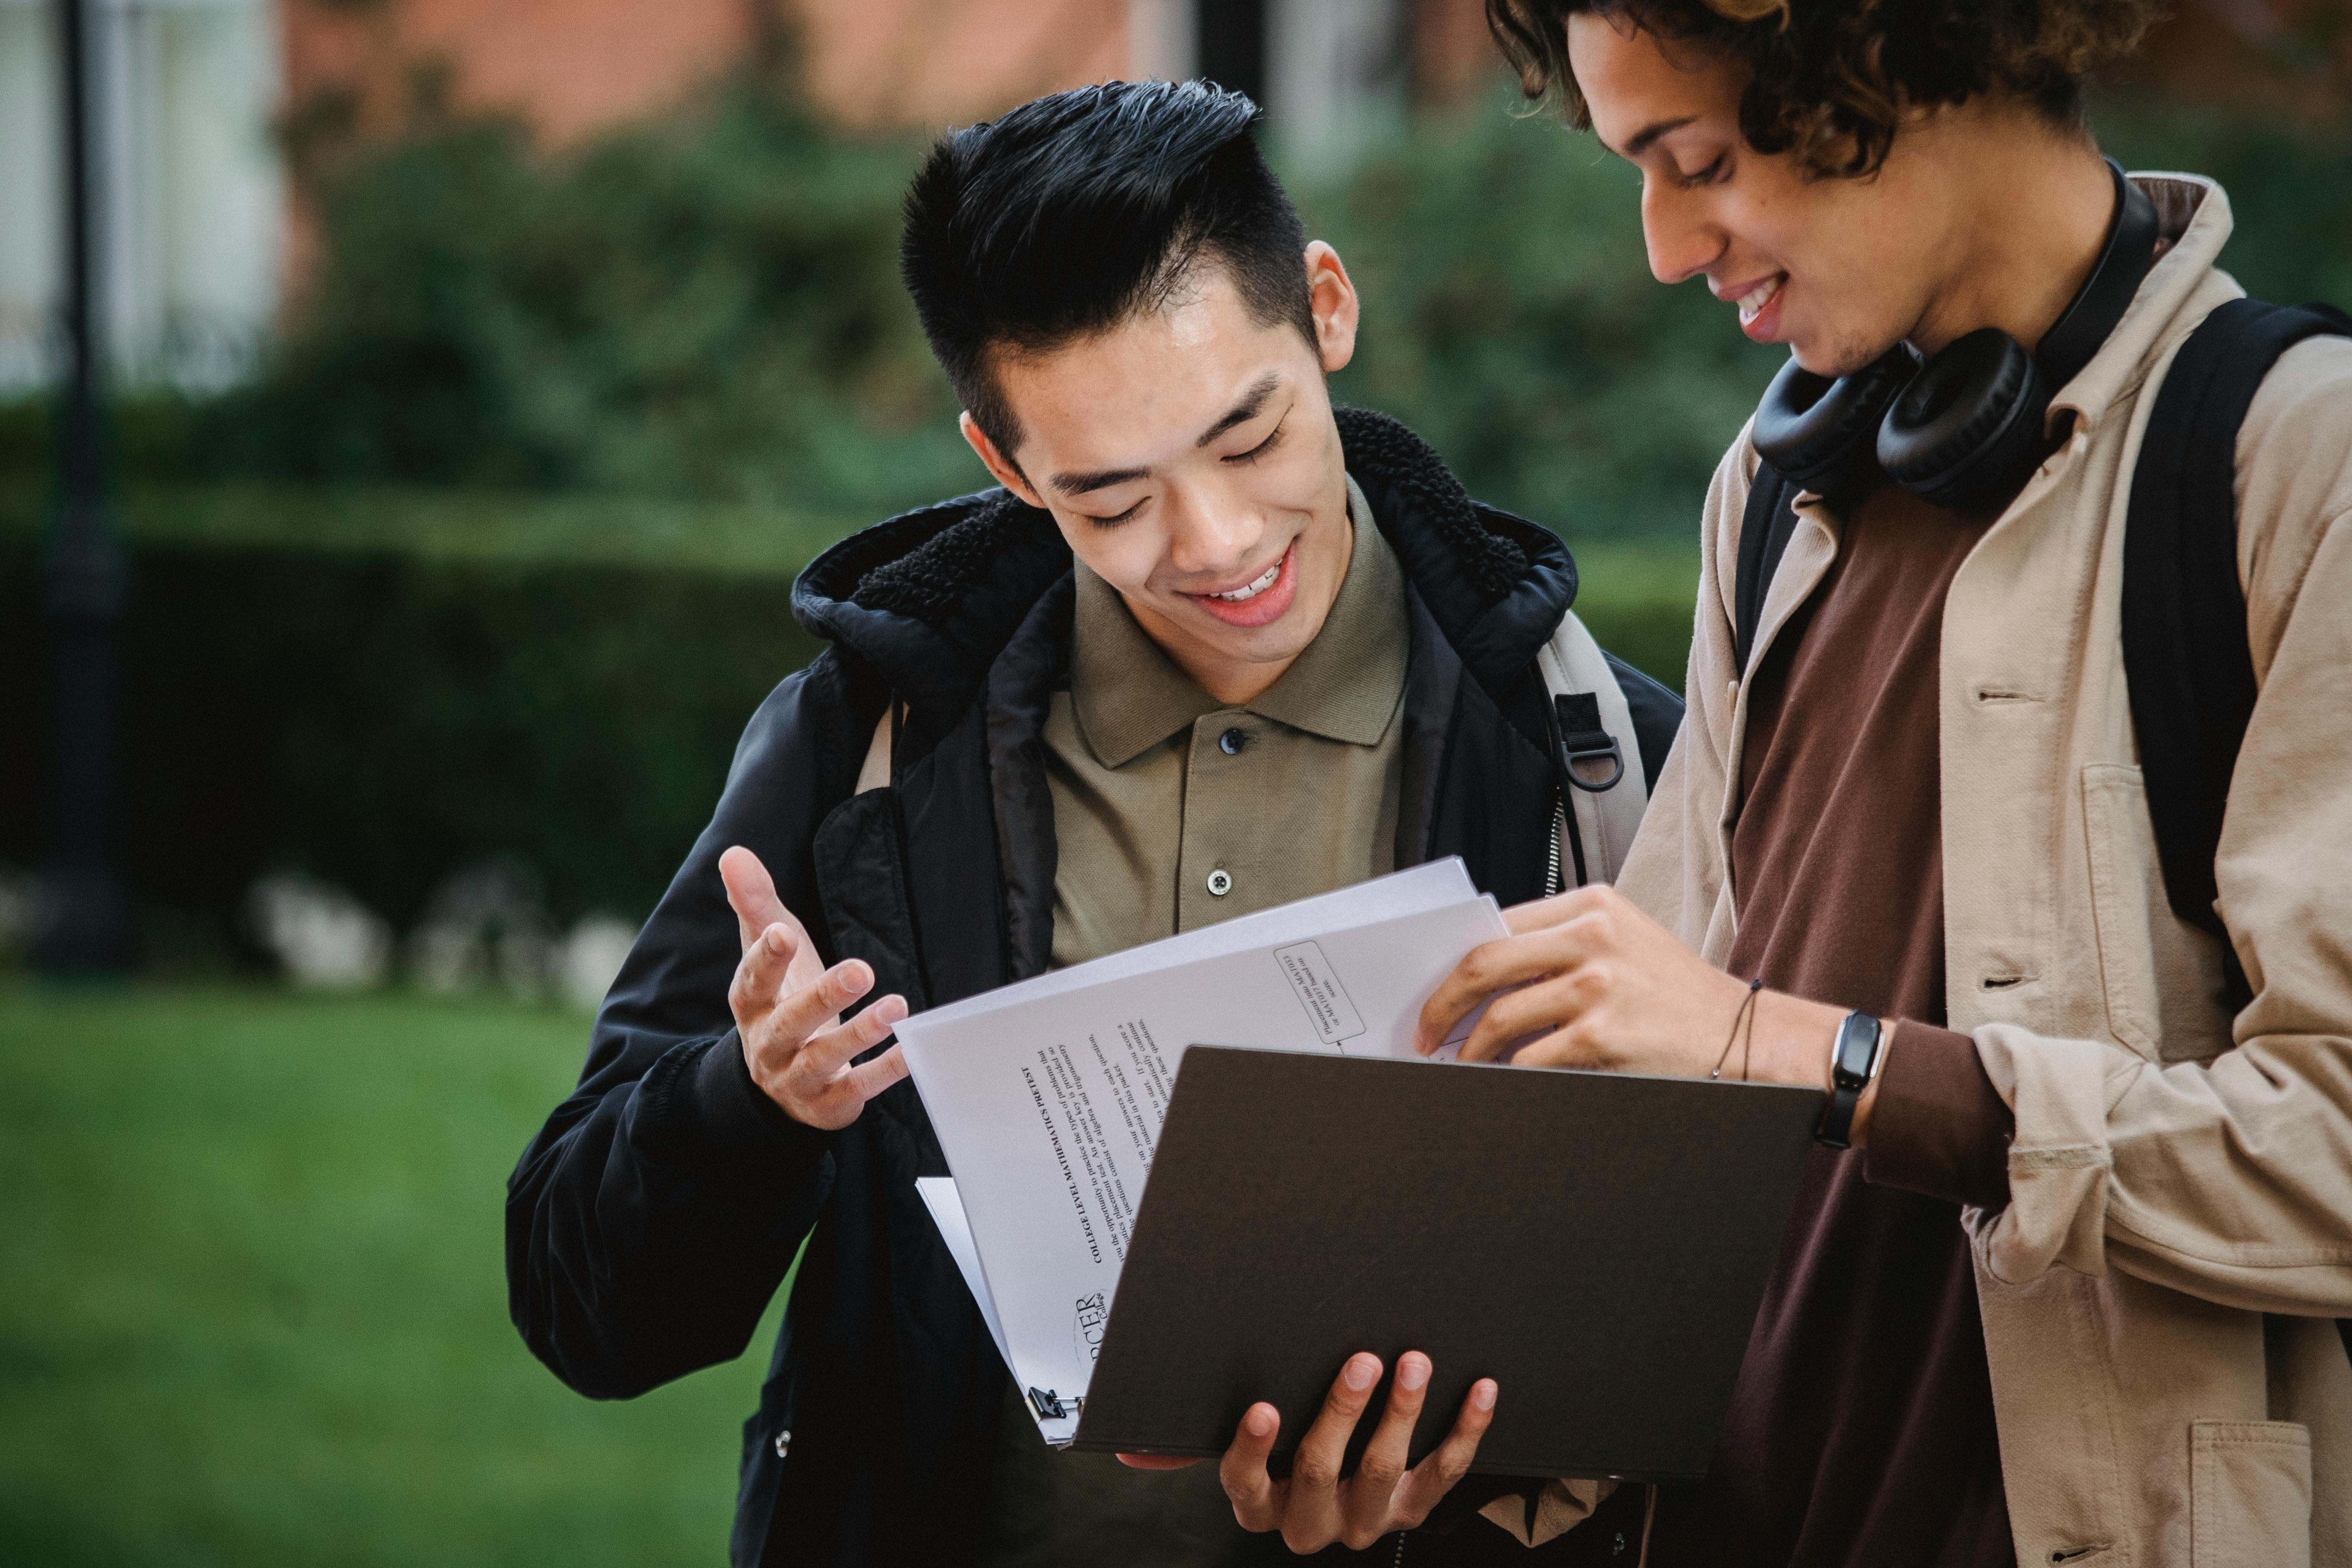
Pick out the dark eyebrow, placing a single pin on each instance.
(1650, 133)
(1244, 411)
(1100, 479)
(1241, 413)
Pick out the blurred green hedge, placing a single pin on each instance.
(707, 307)
(382, 719)
(530, 686)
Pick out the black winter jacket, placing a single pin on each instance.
(650, 1222)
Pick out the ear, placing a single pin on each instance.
(1331, 297)
(998, 465)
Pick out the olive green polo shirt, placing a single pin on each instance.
(1172, 811)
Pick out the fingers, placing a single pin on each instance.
(870, 1079)
(760, 974)
(830, 1050)
(751, 893)
(1450, 1461)
(1538, 913)
(1255, 1497)
(816, 1088)
(1537, 1010)
(1372, 1489)
(1310, 1515)
(1496, 966)
(807, 965)
(1559, 1049)
(801, 1015)
(821, 1067)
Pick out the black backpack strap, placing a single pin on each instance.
(2186, 657)
(1765, 529)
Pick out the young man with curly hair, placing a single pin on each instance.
(2068, 1298)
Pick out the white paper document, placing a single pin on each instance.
(940, 1196)
(1424, 888)
(1048, 1096)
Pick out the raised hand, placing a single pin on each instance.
(787, 1009)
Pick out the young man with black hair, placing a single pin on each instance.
(2035, 828)
(1212, 648)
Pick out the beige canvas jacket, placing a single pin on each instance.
(2157, 1296)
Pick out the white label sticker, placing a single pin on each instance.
(1317, 986)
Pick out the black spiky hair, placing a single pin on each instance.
(1071, 214)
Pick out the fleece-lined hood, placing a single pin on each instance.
(930, 597)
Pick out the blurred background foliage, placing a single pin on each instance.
(493, 555)
(706, 308)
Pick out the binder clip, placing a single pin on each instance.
(1052, 1407)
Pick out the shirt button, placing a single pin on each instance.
(1231, 741)
(1221, 882)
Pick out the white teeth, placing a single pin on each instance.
(1752, 303)
(1250, 590)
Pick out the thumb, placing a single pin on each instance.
(751, 894)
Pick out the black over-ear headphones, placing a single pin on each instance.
(1965, 430)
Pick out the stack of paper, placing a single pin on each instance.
(1047, 1096)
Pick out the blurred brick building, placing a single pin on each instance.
(207, 106)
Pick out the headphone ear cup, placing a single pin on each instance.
(1968, 430)
(1822, 432)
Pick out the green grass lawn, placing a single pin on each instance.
(252, 1306)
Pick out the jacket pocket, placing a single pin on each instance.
(2249, 1494)
(2123, 878)
(2159, 976)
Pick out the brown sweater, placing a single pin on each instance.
(1861, 1431)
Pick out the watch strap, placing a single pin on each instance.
(1854, 1059)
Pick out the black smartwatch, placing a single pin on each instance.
(1853, 1060)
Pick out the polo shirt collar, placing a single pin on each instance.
(1128, 695)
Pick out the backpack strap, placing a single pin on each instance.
(1601, 753)
(2186, 657)
(1765, 529)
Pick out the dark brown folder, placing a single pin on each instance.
(1598, 1244)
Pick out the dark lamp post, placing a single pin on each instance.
(84, 919)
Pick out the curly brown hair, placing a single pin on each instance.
(1831, 80)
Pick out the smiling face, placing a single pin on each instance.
(1838, 269)
(1190, 458)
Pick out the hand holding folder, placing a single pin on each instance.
(1047, 1097)
(1316, 1505)
(1595, 1243)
